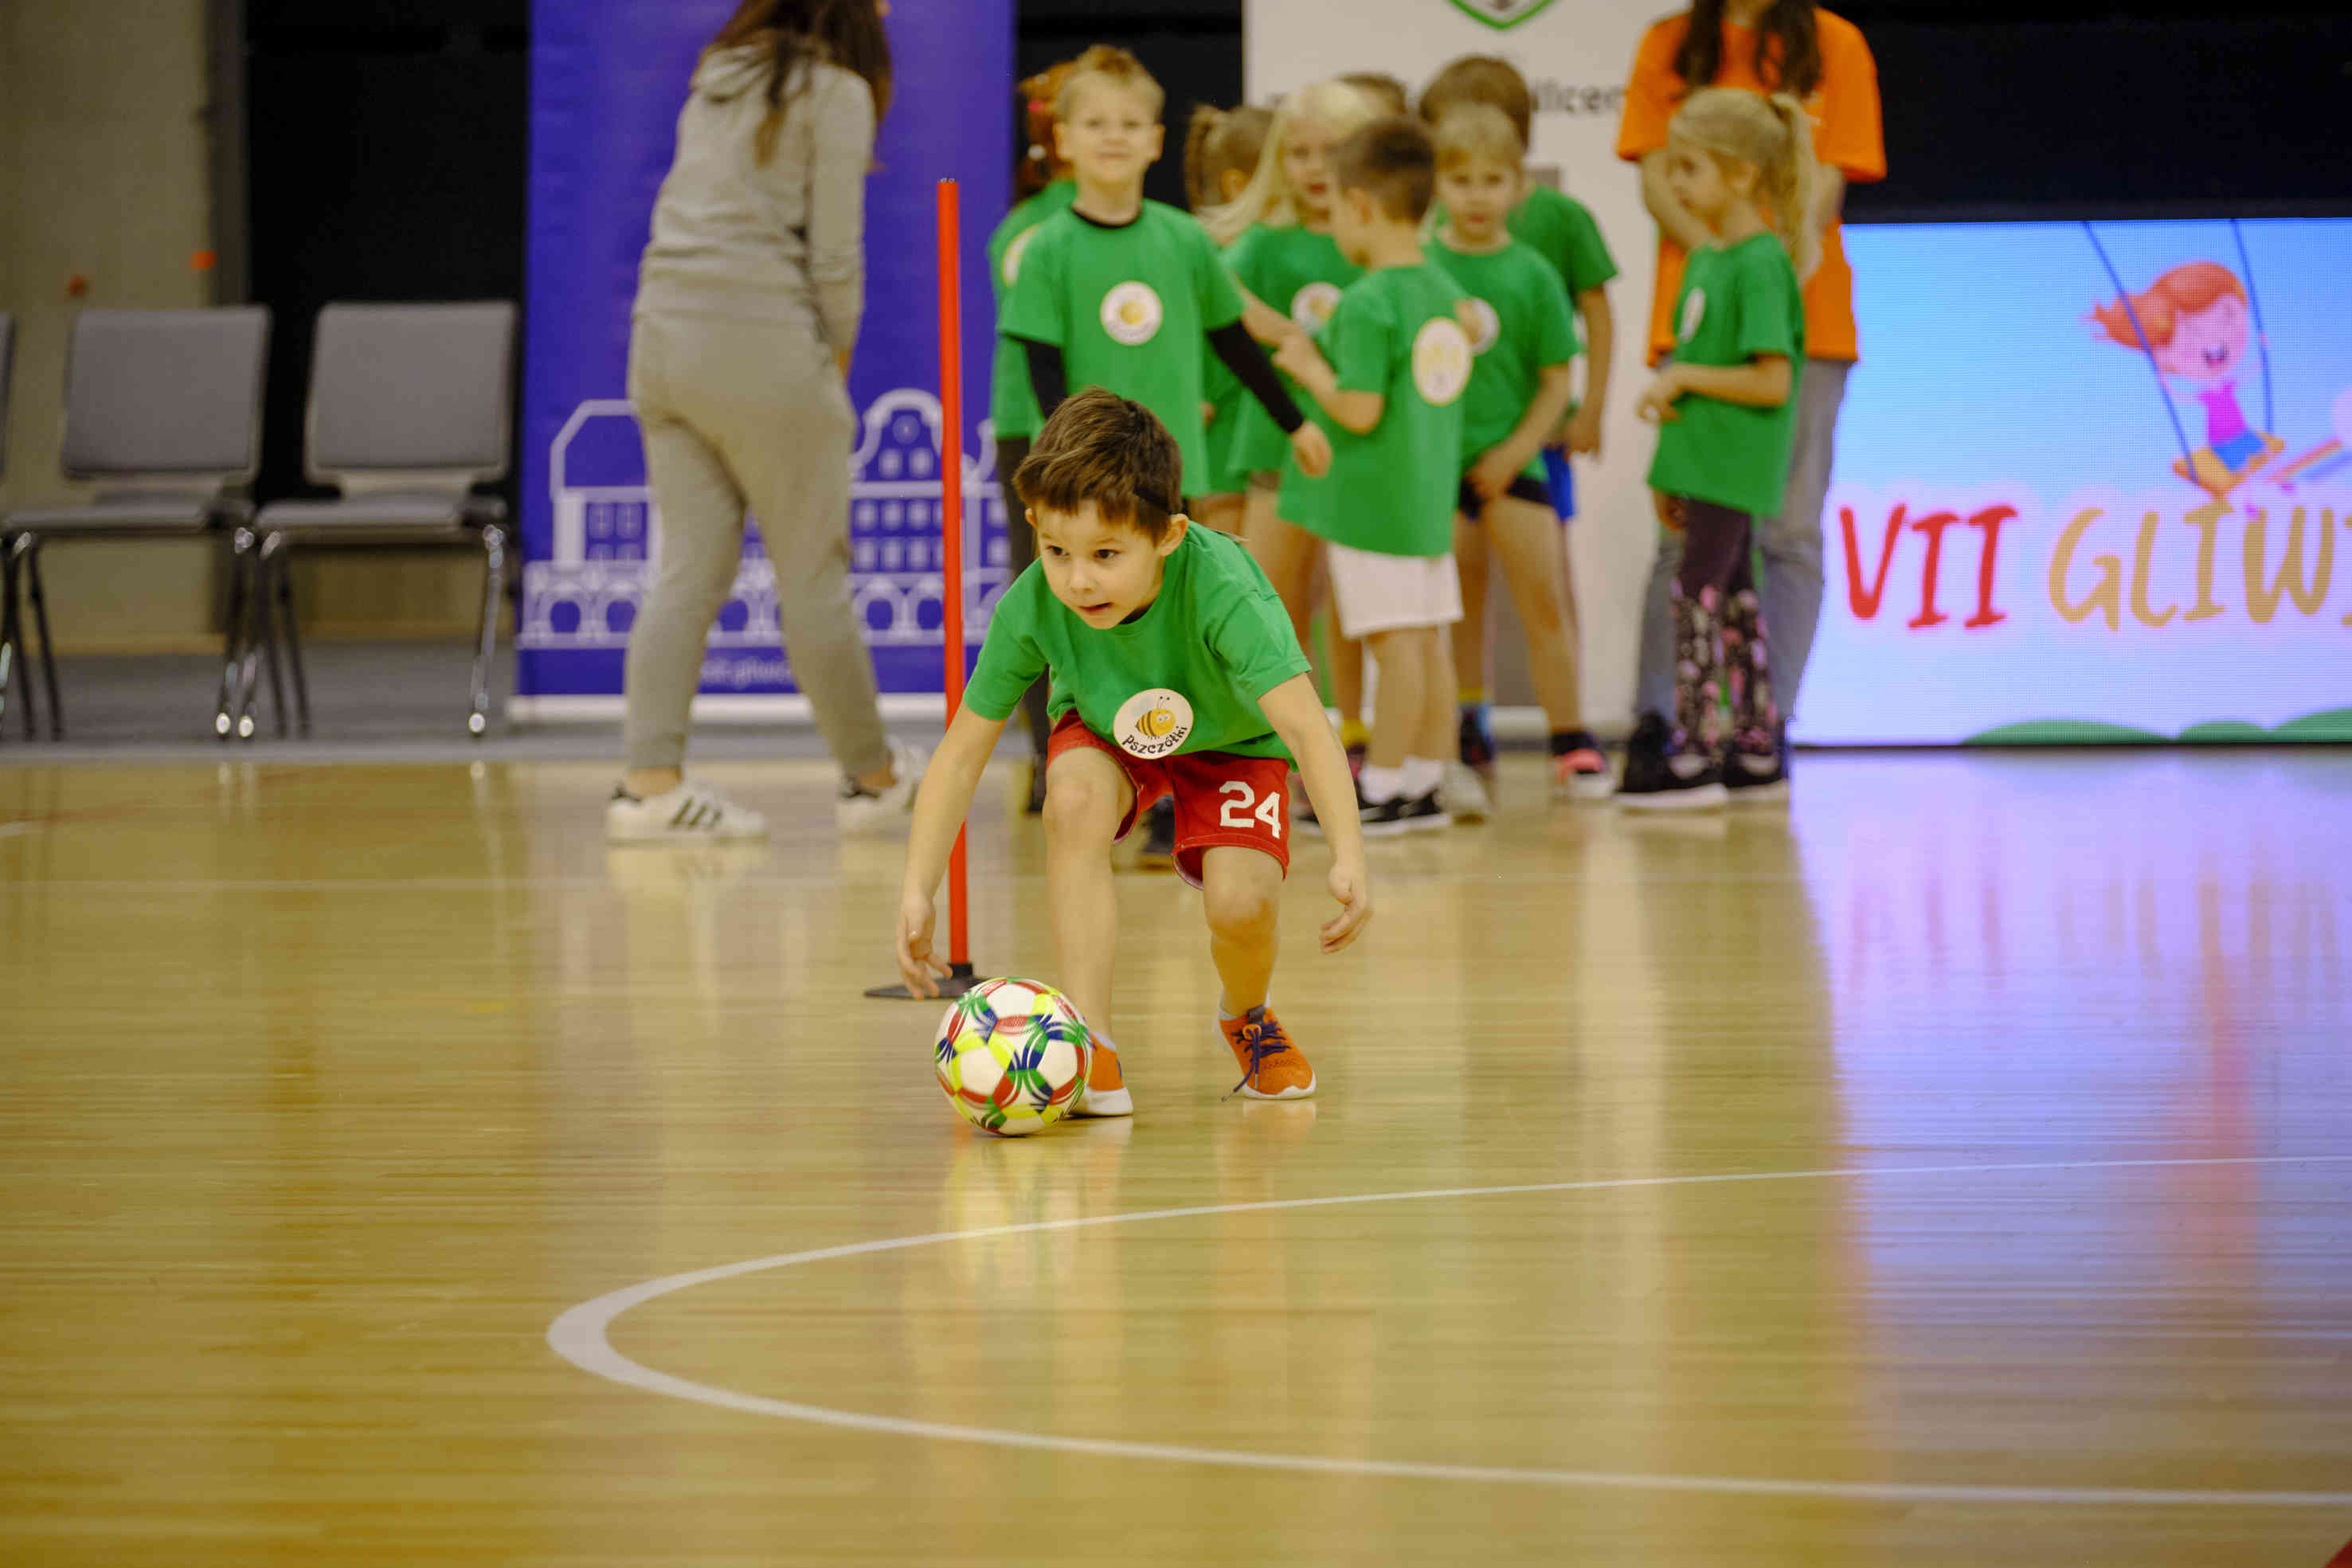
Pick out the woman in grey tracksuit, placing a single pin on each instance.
(747, 308)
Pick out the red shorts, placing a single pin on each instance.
(1222, 798)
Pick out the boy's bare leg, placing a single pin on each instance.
(1226, 514)
(1400, 710)
(1241, 889)
(1469, 636)
(1526, 539)
(1434, 736)
(1087, 798)
(1347, 676)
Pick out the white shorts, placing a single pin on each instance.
(1376, 592)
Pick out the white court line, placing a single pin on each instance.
(578, 1335)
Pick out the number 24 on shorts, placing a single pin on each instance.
(1245, 804)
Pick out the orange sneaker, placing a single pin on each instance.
(1105, 1092)
(1272, 1068)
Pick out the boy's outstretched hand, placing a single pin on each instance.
(1353, 889)
(918, 966)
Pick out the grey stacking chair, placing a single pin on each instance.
(164, 415)
(410, 408)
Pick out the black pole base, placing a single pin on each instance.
(955, 983)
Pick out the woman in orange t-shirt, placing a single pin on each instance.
(1764, 45)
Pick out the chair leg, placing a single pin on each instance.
(48, 644)
(293, 642)
(257, 630)
(272, 548)
(494, 573)
(11, 655)
(240, 561)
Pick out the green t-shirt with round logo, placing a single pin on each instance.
(1012, 406)
(1562, 232)
(1299, 273)
(1130, 307)
(1217, 637)
(1524, 330)
(1736, 302)
(1390, 490)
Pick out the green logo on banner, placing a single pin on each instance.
(1502, 12)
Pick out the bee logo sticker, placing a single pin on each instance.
(1131, 314)
(1153, 723)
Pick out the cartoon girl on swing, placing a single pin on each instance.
(2195, 326)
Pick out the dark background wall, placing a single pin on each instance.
(386, 145)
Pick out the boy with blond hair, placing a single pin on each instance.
(1391, 389)
(1175, 674)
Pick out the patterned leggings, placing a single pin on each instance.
(1719, 633)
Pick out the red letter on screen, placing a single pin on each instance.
(1865, 604)
(1990, 520)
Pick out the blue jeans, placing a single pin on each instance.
(1790, 543)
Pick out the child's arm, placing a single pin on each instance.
(1599, 353)
(1764, 381)
(1262, 321)
(1233, 345)
(1297, 714)
(939, 808)
(1492, 473)
(1354, 411)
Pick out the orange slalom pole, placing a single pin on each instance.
(951, 518)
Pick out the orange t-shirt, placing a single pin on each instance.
(1847, 136)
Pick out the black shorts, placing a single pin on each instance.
(1524, 487)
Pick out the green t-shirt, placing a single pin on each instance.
(1012, 406)
(1226, 397)
(1392, 489)
(1131, 309)
(1736, 304)
(1563, 232)
(1217, 636)
(1524, 330)
(1301, 274)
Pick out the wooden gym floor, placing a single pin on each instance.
(1950, 1168)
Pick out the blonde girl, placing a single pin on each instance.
(1278, 232)
(1725, 408)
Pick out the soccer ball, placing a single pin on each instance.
(1012, 1056)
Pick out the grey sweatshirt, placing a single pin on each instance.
(779, 241)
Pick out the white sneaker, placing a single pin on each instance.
(690, 814)
(1464, 797)
(859, 810)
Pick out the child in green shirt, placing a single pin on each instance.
(1521, 386)
(1725, 408)
(1175, 674)
(1392, 391)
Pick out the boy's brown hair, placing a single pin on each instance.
(1482, 79)
(1104, 448)
(1109, 63)
(1393, 159)
(1472, 131)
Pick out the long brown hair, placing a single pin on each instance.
(844, 33)
(1788, 47)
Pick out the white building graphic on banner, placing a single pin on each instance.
(607, 538)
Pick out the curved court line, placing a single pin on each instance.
(579, 1336)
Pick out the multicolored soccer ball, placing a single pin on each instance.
(1012, 1056)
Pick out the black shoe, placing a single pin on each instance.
(1650, 738)
(1159, 853)
(1759, 778)
(1476, 740)
(1681, 782)
(1416, 814)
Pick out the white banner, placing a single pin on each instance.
(1576, 55)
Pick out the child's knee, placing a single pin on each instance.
(1243, 908)
(1084, 803)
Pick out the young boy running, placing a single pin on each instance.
(1175, 673)
(1392, 389)
(1121, 293)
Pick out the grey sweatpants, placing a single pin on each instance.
(739, 413)
(1790, 543)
